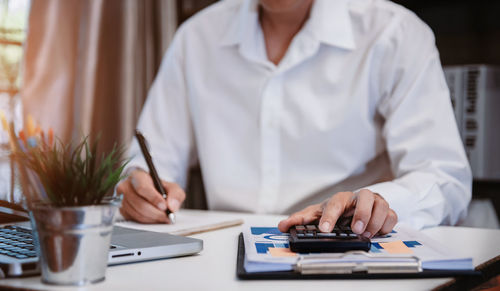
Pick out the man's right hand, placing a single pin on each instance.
(141, 201)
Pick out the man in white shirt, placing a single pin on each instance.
(299, 104)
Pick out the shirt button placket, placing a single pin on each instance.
(270, 144)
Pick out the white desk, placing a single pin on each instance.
(214, 268)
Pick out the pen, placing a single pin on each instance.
(152, 171)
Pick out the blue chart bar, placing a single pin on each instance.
(262, 230)
(281, 245)
(375, 249)
(262, 247)
(412, 243)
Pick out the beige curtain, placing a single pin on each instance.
(89, 64)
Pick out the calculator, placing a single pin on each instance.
(309, 239)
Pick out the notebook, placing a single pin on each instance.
(188, 222)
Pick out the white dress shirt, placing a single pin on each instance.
(358, 101)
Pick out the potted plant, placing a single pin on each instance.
(67, 189)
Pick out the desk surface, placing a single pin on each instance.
(214, 267)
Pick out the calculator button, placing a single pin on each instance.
(343, 234)
(300, 235)
(331, 234)
(311, 227)
(352, 235)
(300, 227)
(309, 234)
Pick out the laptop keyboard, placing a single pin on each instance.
(16, 242)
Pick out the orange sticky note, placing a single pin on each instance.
(396, 247)
(281, 252)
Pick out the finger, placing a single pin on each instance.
(124, 187)
(333, 210)
(363, 211)
(145, 209)
(120, 188)
(390, 221)
(132, 214)
(175, 195)
(143, 185)
(124, 213)
(379, 213)
(304, 216)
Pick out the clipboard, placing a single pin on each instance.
(242, 274)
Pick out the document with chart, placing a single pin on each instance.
(267, 250)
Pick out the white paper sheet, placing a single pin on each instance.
(189, 222)
(433, 255)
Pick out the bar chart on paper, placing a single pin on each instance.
(267, 249)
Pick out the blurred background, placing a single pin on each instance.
(85, 66)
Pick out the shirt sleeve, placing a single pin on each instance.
(165, 120)
(433, 180)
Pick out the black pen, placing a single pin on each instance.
(152, 171)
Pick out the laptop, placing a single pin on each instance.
(18, 255)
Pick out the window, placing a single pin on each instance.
(13, 25)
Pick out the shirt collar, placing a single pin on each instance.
(242, 24)
(329, 23)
